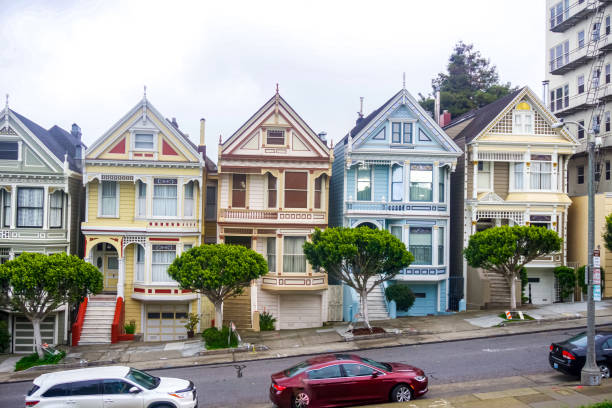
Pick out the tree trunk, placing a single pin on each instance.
(219, 315)
(364, 308)
(512, 293)
(37, 338)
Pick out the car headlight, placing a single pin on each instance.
(420, 378)
(181, 395)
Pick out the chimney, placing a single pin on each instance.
(78, 147)
(360, 113)
(323, 136)
(202, 146)
(545, 92)
(174, 123)
(445, 118)
(437, 104)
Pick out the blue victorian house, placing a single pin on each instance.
(392, 171)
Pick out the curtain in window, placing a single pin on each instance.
(421, 182)
(296, 189)
(142, 199)
(56, 201)
(484, 175)
(189, 199)
(397, 183)
(271, 249)
(109, 198)
(540, 175)
(420, 245)
(164, 200)
(518, 176)
(30, 207)
(140, 257)
(396, 231)
(162, 257)
(364, 182)
(294, 259)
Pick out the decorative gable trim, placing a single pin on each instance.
(167, 149)
(55, 161)
(119, 148)
(491, 197)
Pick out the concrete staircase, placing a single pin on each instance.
(98, 320)
(500, 291)
(377, 308)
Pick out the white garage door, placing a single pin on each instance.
(542, 286)
(23, 338)
(166, 322)
(300, 311)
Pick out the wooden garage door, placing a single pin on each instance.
(166, 322)
(23, 340)
(300, 311)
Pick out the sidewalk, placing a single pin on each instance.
(284, 343)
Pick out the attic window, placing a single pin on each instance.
(522, 119)
(9, 151)
(143, 141)
(275, 137)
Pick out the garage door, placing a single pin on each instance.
(23, 340)
(300, 311)
(425, 300)
(166, 322)
(542, 284)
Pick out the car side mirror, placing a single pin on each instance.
(375, 374)
(134, 390)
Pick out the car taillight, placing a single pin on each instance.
(551, 347)
(278, 387)
(31, 403)
(568, 355)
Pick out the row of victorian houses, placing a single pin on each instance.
(144, 192)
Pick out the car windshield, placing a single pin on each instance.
(377, 364)
(143, 379)
(296, 369)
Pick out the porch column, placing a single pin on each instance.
(121, 278)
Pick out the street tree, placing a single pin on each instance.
(607, 235)
(37, 284)
(217, 271)
(506, 250)
(470, 82)
(360, 257)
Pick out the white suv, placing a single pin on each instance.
(106, 387)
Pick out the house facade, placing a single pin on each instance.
(274, 176)
(392, 172)
(145, 194)
(41, 197)
(514, 172)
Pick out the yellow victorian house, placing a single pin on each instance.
(145, 185)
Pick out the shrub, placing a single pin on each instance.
(580, 279)
(567, 280)
(5, 337)
(33, 360)
(130, 328)
(192, 321)
(401, 294)
(604, 404)
(217, 339)
(266, 321)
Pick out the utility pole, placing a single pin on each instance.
(590, 374)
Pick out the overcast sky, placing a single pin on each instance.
(65, 61)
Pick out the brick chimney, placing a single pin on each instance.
(445, 118)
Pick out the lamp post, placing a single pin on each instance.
(590, 374)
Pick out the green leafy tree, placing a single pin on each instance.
(360, 257)
(402, 295)
(566, 277)
(217, 271)
(506, 250)
(607, 235)
(37, 284)
(580, 279)
(470, 82)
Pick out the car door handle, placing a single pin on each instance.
(110, 401)
(71, 402)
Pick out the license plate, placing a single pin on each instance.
(555, 365)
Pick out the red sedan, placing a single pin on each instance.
(336, 380)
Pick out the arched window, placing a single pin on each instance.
(522, 119)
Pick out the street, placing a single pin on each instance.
(444, 363)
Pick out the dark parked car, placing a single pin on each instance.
(336, 380)
(569, 356)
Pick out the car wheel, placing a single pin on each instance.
(605, 370)
(301, 399)
(401, 393)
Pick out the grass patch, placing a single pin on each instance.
(604, 404)
(515, 319)
(33, 360)
(216, 339)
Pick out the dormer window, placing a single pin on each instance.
(401, 132)
(9, 151)
(143, 141)
(275, 137)
(522, 119)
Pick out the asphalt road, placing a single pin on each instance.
(444, 363)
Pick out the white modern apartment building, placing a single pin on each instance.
(578, 88)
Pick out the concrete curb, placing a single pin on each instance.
(242, 349)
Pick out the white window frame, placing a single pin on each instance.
(178, 203)
(170, 282)
(117, 197)
(137, 199)
(521, 121)
(532, 172)
(491, 171)
(193, 199)
(144, 262)
(402, 123)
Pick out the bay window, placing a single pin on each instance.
(141, 205)
(296, 189)
(56, 206)
(140, 257)
(188, 200)
(271, 254)
(519, 169)
(271, 191)
(162, 257)
(164, 197)
(420, 245)
(109, 199)
(396, 231)
(441, 246)
(441, 183)
(239, 184)
(30, 202)
(364, 183)
(294, 260)
(318, 191)
(421, 182)
(6, 208)
(541, 168)
(397, 183)
(484, 176)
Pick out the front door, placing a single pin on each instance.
(111, 272)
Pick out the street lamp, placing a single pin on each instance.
(590, 374)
